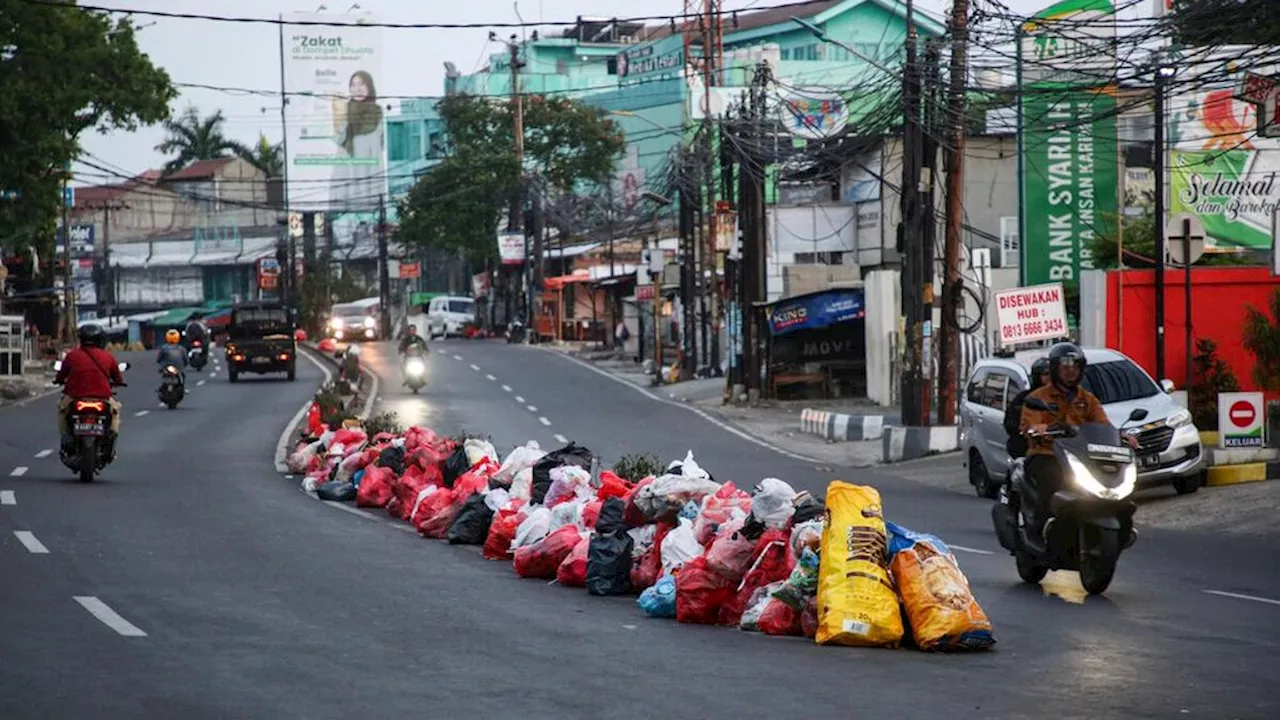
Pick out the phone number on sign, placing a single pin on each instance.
(1035, 328)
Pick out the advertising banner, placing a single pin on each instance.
(819, 310)
(1070, 153)
(511, 248)
(337, 134)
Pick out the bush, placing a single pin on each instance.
(1212, 376)
(333, 406)
(638, 466)
(385, 422)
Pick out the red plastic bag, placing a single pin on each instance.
(591, 513)
(395, 506)
(497, 545)
(780, 618)
(632, 515)
(728, 502)
(315, 428)
(542, 559)
(809, 618)
(348, 438)
(647, 568)
(700, 592)
(427, 507)
(475, 480)
(437, 526)
(772, 562)
(411, 483)
(731, 553)
(573, 571)
(612, 486)
(375, 487)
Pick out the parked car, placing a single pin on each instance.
(1169, 450)
(449, 315)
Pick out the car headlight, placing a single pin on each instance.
(1085, 480)
(1179, 419)
(415, 367)
(336, 323)
(369, 323)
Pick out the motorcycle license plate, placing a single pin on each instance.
(1148, 461)
(93, 427)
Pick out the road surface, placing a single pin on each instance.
(193, 581)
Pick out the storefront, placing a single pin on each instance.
(817, 344)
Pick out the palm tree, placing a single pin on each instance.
(266, 157)
(196, 138)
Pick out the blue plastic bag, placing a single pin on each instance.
(355, 478)
(691, 510)
(901, 538)
(659, 600)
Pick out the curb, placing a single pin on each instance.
(839, 427)
(909, 443)
(373, 379)
(1223, 475)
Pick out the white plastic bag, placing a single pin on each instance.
(642, 539)
(567, 483)
(311, 483)
(519, 459)
(669, 493)
(423, 494)
(679, 547)
(347, 468)
(522, 487)
(807, 534)
(478, 450)
(301, 458)
(497, 499)
(773, 503)
(689, 468)
(533, 528)
(566, 513)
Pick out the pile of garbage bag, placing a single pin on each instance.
(769, 560)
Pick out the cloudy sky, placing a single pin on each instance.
(245, 55)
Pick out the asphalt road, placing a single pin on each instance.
(259, 602)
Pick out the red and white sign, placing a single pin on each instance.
(1030, 314)
(1240, 419)
(644, 293)
(511, 248)
(410, 270)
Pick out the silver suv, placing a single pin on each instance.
(1169, 444)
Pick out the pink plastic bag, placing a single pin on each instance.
(573, 571)
(728, 503)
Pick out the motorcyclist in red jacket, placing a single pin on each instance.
(89, 372)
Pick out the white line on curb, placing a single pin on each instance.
(18, 471)
(30, 542)
(347, 508)
(140, 413)
(532, 408)
(109, 617)
(544, 421)
(507, 388)
(562, 439)
(282, 451)
(44, 453)
(519, 399)
(491, 377)
(7, 498)
(975, 551)
(1239, 596)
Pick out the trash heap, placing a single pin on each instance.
(771, 560)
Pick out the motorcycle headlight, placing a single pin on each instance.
(1085, 480)
(369, 323)
(415, 367)
(1179, 419)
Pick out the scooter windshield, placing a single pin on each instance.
(1099, 448)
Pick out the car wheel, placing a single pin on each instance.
(1187, 484)
(980, 478)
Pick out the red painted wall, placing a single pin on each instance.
(1219, 297)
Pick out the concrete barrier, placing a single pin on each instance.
(909, 443)
(839, 427)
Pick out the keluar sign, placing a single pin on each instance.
(1031, 314)
(1241, 418)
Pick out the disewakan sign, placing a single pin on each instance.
(1029, 314)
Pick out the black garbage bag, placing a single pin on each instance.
(455, 466)
(337, 491)
(609, 563)
(752, 528)
(610, 517)
(471, 527)
(807, 507)
(392, 458)
(571, 454)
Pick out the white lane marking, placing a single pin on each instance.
(696, 411)
(458, 358)
(282, 450)
(200, 383)
(140, 413)
(213, 374)
(491, 377)
(44, 453)
(476, 368)
(562, 439)
(544, 421)
(975, 551)
(18, 471)
(507, 388)
(532, 408)
(109, 617)
(30, 542)
(1239, 596)
(347, 508)
(7, 498)
(519, 399)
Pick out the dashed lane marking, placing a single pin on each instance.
(30, 542)
(532, 408)
(975, 551)
(1241, 596)
(44, 453)
(7, 498)
(491, 377)
(458, 358)
(140, 413)
(519, 399)
(18, 471)
(200, 383)
(507, 388)
(544, 421)
(109, 617)
(562, 439)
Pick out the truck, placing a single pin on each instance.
(261, 339)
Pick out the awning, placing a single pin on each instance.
(559, 283)
(217, 253)
(256, 248)
(176, 316)
(172, 253)
(816, 310)
(130, 255)
(221, 318)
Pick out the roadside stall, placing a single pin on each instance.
(817, 344)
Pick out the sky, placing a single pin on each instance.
(246, 55)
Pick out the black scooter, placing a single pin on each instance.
(196, 356)
(1090, 518)
(515, 332)
(171, 389)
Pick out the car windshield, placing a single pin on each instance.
(348, 310)
(1118, 381)
(464, 307)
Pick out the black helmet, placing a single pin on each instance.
(1068, 353)
(92, 336)
(1038, 369)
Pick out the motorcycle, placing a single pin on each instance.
(415, 370)
(90, 448)
(515, 332)
(1090, 518)
(196, 357)
(171, 389)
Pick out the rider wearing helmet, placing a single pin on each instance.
(172, 353)
(1075, 406)
(1039, 376)
(411, 339)
(88, 373)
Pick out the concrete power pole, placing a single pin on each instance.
(912, 384)
(951, 297)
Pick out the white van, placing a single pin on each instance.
(449, 315)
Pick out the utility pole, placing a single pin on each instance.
(909, 237)
(289, 296)
(515, 215)
(951, 297)
(535, 233)
(751, 214)
(931, 102)
(384, 275)
(306, 302)
(1157, 161)
(68, 291)
(689, 267)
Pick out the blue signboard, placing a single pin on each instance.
(816, 310)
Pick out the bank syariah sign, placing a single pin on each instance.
(1031, 314)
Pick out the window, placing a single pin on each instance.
(465, 307)
(976, 383)
(994, 389)
(1118, 381)
(819, 258)
(785, 54)
(397, 141)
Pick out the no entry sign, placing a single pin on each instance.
(1029, 314)
(1240, 419)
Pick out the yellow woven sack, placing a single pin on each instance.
(857, 604)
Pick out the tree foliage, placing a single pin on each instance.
(458, 203)
(191, 137)
(64, 71)
(1262, 339)
(1226, 22)
(267, 157)
(1213, 375)
(1138, 235)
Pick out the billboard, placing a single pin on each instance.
(335, 123)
